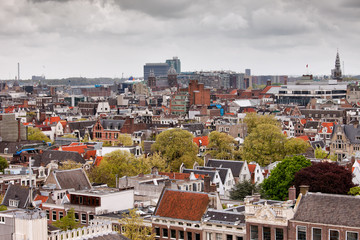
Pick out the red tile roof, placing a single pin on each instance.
(252, 167)
(180, 176)
(204, 140)
(80, 149)
(303, 121)
(327, 127)
(305, 138)
(267, 88)
(234, 92)
(98, 161)
(182, 205)
(52, 120)
(89, 154)
(42, 198)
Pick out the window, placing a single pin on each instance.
(208, 236)
(165, 232)
(54, 215)
(254, 231)
(181, 234)
(2, 220)
(76, 216)
(301, 233)
(197, 236)
(83, 218)
(266, 233)
(352, 236)
(239, 238)
(61, 215)
(47, 214)
(91, 217)
(189, 235)
(229, 237)
(13, 203)
(157, 232)
(218, 236)
(316, 234)
(173, 233)
(334, 235)
(279, 234)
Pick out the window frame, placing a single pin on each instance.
(312, 232)
(352, 232)
(297, 231)
(335, 230)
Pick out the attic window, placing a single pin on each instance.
(357, 137)
(13, 203)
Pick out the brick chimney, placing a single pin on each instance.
(206, 183)
(292, 193)
(213, 187)
(304, 189)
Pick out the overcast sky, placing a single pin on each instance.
(108, 38)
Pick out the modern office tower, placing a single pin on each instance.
(159, 69)
(248, 72)
(176, 63)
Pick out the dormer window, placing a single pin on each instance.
(13, 203)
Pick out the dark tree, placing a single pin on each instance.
(243, 189)
(325, 177)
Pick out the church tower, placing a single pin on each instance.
(336, 72)
(172, 76)
(152, 80)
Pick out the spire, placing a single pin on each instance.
(336, 72)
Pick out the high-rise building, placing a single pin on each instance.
(336, 72)
(176, 63)
(248, 72)
(159, 69)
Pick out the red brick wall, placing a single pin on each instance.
(260, 230)
(186, 229)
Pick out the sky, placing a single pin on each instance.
(115, 38)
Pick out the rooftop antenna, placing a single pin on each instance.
(18, 71)
(343, 69)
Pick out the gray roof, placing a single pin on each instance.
(74, 178)
(51, 155)
(235, 166)
(80, 125)
(225, 217)
(112, 124)
(222, 172)
(192, 127)
(351, 132)
(312, 125)
(341, 210)
(14, 146)
(17, 192)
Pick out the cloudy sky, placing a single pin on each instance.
(108, 38)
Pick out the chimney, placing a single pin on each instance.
(292, 193)
(268, 82)
(206, 183)
(304, 189)
(213, 187)
(256, 197)
(168, 184)
(19, 130)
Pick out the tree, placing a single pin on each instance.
(177, 147)
(221, 145)
(325, 177)
(68, 222)
(157, 161)
(322, 154)
(35, 134)
(282, 177)
(120, 163)
(267, 144)
(253, 120)
(355, 191)
(134, 227)
(3, 208)
(3, 164)
(243, 189)
(69, 136)
(69, 164)
(124, 139)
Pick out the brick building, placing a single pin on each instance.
(198, 94)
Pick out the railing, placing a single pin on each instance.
(95, 230)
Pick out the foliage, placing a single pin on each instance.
(276, 186)
(3, 208)
(177, 147)
(3, 164)
(325, 177)
(157, 161)
(243, 189)
(35, 134)
(86, 138)
(354, 191)
(120, 163)
(322, 154)
(134, 227)
(68, 222)
(69, 136)
(107, 144)
(124, 139)
(69, 164)
(221, 145)
(266, 144)
(253, 120)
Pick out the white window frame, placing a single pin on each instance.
(346, 237)
(2, 220)
(312, 232)
(297, 231)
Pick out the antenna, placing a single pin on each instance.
(343, 69)
(18, 71)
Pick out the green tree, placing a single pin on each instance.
(177, 147)
(68, 222)
(355, 191)
(267, 144)
(253, 120)
(134, 227)
(243, 189)
(3, 208)
(221, 145)
(282, 177)
(69, 136)
(3, 164)
(120, 163)
(124, 139)
(35, 134)
(156, 160)
(322, 154)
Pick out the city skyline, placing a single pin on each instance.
(115, 38)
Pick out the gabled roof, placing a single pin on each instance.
(222, 172)
(179, 176)
(79, 149)
(50, 155)
(98, 160)
(327, 127)
(305, 138)
(68, 179)
(182, 205)
(202, 172)
(252, 167)
(17, 192)
(332, 209)
(201, 141)
(235, 166)
(222, 216)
